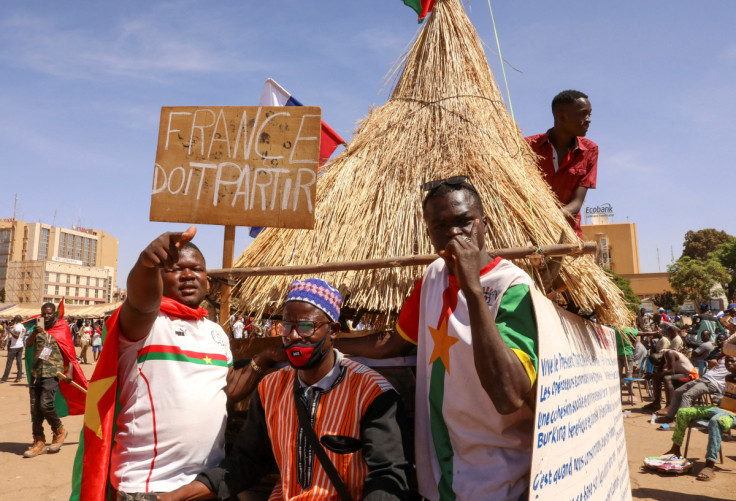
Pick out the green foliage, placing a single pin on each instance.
(694, 278)
(624, 285)
(2, 295)
(726, 255)
(699, 244)
(668, 300)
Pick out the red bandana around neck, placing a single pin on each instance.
(176, 309)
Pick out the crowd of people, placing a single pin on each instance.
(14, 335)
(322, 425)
(329, 427)
(689, 358)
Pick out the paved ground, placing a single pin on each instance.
(47, 477)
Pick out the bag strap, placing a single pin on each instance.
(324, 459)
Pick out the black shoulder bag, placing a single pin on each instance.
(324, 459)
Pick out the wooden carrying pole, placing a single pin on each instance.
(62, 376)
(228, 250)
(371, 264)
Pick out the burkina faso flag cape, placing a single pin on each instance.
(69, 399)
(91, 472)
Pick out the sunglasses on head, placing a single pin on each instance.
(454, 180)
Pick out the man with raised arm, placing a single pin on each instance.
(473, 321)
(170, 366)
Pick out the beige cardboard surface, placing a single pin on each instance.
(234, 165)
(579, 441)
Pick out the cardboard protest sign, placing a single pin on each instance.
(241, 166)
(579, 443)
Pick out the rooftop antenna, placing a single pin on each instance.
(15, 205)
(672, 255)
(54, 221)
(659, 268)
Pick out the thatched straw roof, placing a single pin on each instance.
(445, 117)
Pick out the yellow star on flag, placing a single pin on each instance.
(442, 344)
(95, 391)
(207, 360)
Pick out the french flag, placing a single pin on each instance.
(275, 95)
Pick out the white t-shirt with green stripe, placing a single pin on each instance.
(171, 423)
(465, 449)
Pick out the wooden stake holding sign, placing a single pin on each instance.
(237, 166)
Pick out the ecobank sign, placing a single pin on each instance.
(600, 210)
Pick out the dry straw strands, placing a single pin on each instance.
(445, 117)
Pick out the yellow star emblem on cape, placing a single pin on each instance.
(442, 344)
(95, 391)
(207, 360)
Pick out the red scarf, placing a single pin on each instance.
(176, 309)
(91, 474)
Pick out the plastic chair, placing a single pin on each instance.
(702, 425)
(702, 367)
(638, 379)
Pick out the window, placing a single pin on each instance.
(69, 247)
(46, 276)
(78, 248)
(68, 279)
(85, 252)
(93, 253)
(78, 279)
(56, 290)
(57, 278)
(44, 246)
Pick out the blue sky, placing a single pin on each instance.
(83, 84)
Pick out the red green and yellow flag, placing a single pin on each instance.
(69, 399)
(91, 472)
(421, 7)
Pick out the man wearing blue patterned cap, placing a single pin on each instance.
(356, 414)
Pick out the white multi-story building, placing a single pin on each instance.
(43, 263)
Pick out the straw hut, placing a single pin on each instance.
(445, 117)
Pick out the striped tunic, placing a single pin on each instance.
(357, 419)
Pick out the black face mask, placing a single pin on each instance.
(306, 356)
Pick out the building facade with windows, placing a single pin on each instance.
(43, 263)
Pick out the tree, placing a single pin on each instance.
(694, 278)
(726, 255)
(624, 285)
(699, 244)
(668, 300)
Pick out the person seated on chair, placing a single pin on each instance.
(700, 354)
(720, 420)
(711, 383)
(674, 368)
(718, 349)
(355, 412)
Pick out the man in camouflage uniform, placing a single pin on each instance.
(47, 361)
